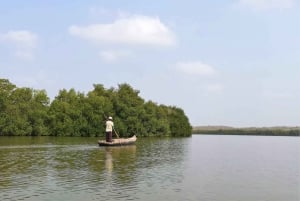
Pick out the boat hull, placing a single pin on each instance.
(118, 142)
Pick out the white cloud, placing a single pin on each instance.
(214, 88)
(114, 55)
(267, 4)
(24, 43)
(136, 30)
(101, 12)
(21, 38)
(196, 68)
(277, 94)
(24, 54)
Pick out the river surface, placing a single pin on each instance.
(199, 168)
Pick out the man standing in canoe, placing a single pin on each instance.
(109, 128)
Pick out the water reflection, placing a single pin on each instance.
(108, 161)
(199, 168)
(58, 169)
(123, 156)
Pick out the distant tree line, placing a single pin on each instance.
(29, 112)
(251, 131)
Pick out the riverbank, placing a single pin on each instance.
(260, 131)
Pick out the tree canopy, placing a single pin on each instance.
(29, 112)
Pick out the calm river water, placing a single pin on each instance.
(200, 168)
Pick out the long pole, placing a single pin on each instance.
(116, 132)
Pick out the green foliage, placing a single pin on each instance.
(66, 113)
(128, 108)
(28, 112)
(38, 114)
(179, 123)
(23, 111)
(269, 131)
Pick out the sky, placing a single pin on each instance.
(224, 62)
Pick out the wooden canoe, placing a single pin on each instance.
(118, 141)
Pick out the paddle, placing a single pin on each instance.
(116, 132)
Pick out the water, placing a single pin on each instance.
(203, 167)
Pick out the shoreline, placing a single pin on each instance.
(255, 131)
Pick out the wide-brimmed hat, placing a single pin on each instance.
(110, 118)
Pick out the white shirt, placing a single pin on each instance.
(109, 126)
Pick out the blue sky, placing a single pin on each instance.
(225, 62)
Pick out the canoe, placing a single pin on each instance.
(118, 141)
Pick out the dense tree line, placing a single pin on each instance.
(246, 131)
(28, 112)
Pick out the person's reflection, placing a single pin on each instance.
(109, 160)
(124, 155)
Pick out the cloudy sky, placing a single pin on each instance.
(225, 62)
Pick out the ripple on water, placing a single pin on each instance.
(154, 169)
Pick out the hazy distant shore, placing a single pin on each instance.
(261, 131)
